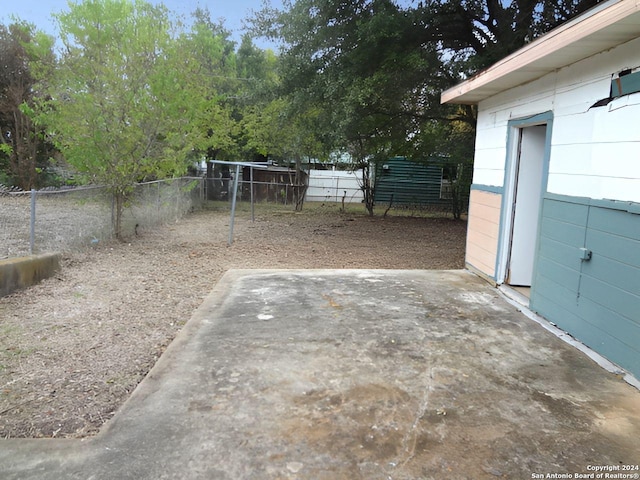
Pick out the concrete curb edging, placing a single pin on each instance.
(21, 272)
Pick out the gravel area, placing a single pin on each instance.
(74, 347)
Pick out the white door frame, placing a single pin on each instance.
(510, 183)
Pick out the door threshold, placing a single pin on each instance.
(517, 294)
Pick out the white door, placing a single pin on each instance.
(526, 207)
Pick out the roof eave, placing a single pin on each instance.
(605, 26)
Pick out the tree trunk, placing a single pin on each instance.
(459, 192)
(118, 209)
(367, 187)
(209, 185)
(22, 161)
(300, 188)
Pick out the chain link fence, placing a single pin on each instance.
(64, 220)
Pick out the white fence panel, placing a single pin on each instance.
(333, 185)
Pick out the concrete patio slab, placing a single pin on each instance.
(356, 374)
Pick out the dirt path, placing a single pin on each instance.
(75, 346)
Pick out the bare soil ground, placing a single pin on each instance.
(74, 347)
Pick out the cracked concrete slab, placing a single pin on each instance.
(346, 374)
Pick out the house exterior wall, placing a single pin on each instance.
(596, 300)
(594, 151)
(483, 227)
(590, 200)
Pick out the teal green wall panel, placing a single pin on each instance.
(573, 213)
(625, 330)
(614, 273)
(613, 298)
(567, 255)
(487, 188)
(556, 293)
(606, 344)
(597, 300)
(564, 318)
(590, 324)
(560, 274)
(563, 231)
(622, 249)
(609, 346)
(616, 222)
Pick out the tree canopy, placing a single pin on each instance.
(118, 102)
(24, 150)
(136, 94)
(381, 64)
(373, 70)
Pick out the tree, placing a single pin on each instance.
(24, 152)
(271, 126)
(474, 34)
(349, 62)
(211, 46)
(258, 109)
(123, 99)
(376, 70)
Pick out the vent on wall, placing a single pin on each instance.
(623, 83)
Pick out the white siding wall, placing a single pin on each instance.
(330, 186)
(594, 152)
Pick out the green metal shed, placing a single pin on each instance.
(411, 183)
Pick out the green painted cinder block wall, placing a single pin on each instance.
(596, 300)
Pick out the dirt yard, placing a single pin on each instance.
(74, 347)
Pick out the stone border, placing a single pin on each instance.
(21, 272)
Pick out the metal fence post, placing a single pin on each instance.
(233, 203)
(32, 229)
(253, 216)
